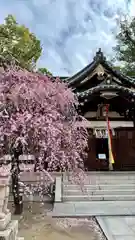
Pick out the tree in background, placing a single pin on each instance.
(44, 71)
(125, 48)
(18, 45)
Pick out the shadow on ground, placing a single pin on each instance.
(35, 224)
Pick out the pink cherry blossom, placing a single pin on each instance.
(41, 112)
(5, 170)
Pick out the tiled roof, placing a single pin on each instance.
(99, 59)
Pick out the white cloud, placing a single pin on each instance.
(70, 30)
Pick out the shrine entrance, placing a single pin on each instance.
(106, 94)
(113, 151)
(98, 154)
(123, 145)
(102, 152)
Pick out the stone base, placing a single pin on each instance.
(10, 233)
(5, 221)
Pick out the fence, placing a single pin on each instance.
(30, 179)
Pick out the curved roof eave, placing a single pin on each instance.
(98, 59)
(81, 74)
(119, 74)
(86, 93)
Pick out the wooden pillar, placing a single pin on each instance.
(134, 117)
(115, 149)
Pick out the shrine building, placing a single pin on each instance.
(105, 93)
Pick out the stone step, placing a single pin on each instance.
(74, 198)
(106, 176)
(111, 176)
(110, 173)
(78, 192)
(105, 173)
(106, 181)
(126, 176)
(99, 186)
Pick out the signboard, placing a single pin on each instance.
(101, 156)
(102, 132)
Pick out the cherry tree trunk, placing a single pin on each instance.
(17, 196)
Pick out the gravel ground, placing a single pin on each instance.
(34, 224)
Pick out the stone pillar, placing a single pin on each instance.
(58, 184)
(8, 227)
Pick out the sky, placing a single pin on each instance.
(71, 31)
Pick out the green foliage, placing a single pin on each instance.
(117, 68)
(44, 71)
(121, 69)
(18, 44)
(125, 48)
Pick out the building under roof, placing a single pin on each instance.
(99, 85)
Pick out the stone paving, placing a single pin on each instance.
(118, 228)
(102, 208)
(115, 211)
(116, 218)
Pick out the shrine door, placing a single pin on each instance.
(93, 163)
(124, 149)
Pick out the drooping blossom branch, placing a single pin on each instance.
(40, 112)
